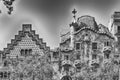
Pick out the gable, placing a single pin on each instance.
(26, 43)
(26, 39)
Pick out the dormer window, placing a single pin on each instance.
(94, 45)
(118, 29)
(77, 45)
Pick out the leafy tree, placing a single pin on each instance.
(8, 4)
(32, 67)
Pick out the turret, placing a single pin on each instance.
(115, 25)
(72, 25)
(115, 29)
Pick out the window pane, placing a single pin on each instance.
(78, 56)
(0, 74)
(8, 74)
(94, 56)
(5, 63)
(107, 43)
(26, 52)
(55, 54)
(118, 29)
(22, 52)
(66, 57)
(5, 74)
(77, 46)
(94, 45)
(30, 51)
(106, 55)
(118, 40)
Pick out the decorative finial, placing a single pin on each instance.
(74, 12)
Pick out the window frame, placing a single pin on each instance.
(107, 43)
(93, 47)
(25, 52)
(106, 55)
(118, 29)
(78, 56)
(76, 46)
(65, 58)
(94, 57)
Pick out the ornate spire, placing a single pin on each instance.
(74, 14)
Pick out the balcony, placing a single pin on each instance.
(64, 62)
(107, 49)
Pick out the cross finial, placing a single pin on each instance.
(74, 12)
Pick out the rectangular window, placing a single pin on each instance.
(106, 55)
(118, 41)
(5, 63)
(55, 55)
(78, 56)
(8, 74)
(94, 45)
(66, 57)
(94, 56)
(22, 52)
(77, 46)
(1, 74)
(107, 43)
(118, 29)
(26, 52)
(5, 74)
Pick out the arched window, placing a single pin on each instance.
(25, 52)
(22, 52)
(30, 51)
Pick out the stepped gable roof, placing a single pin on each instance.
(88, 21)
(26, 28)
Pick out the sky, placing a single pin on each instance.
(50, 18)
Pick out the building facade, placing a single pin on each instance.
(89, 51)
(26, 57)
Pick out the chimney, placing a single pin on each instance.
(26, 27)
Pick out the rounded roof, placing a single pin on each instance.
(87, 21)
